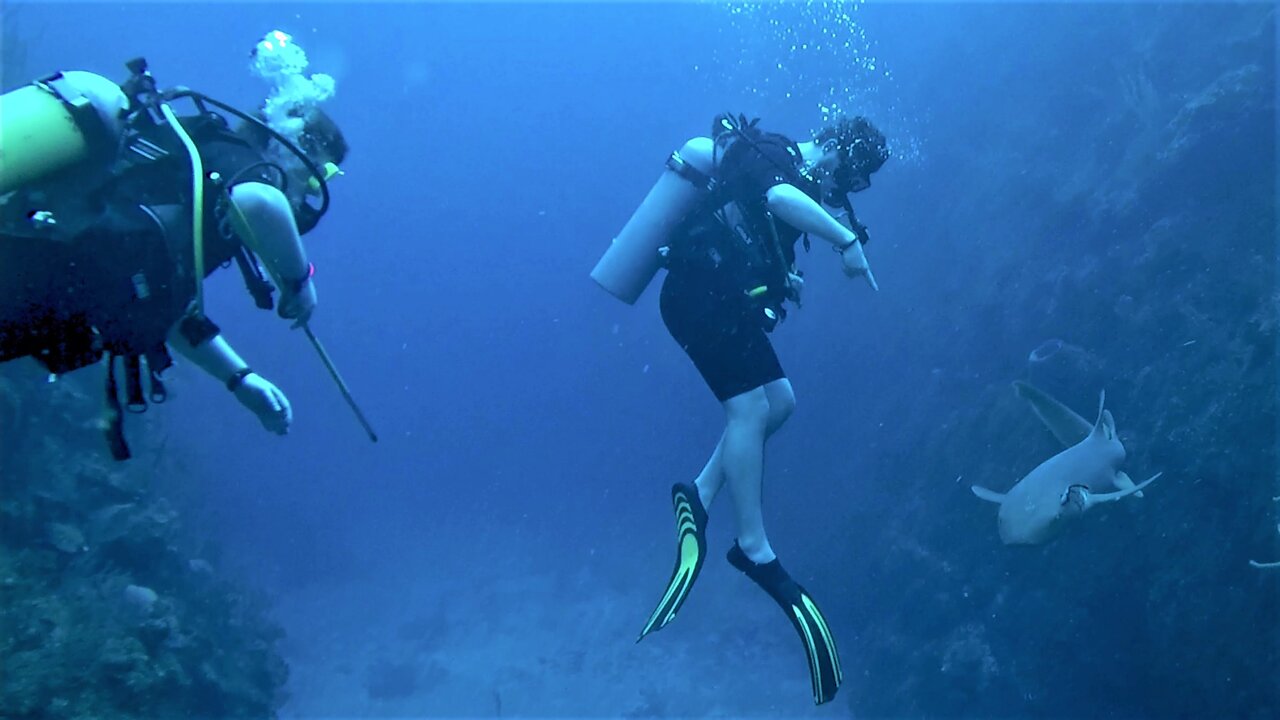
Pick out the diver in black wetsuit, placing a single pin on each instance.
(731, 269)
(103, 256)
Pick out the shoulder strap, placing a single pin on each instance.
(727, 131)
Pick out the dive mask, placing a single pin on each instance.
(860, 155)
(847, 178)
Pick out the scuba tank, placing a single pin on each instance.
(68, 120)
(660, 232)
(59, 138)
(631, 261)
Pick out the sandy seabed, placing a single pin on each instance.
(493, 641)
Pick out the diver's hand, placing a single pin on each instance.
(795, 288)
(855, 264)
(298, 303)
(266, 401)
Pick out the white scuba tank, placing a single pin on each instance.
(631, 261)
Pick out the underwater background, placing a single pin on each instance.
(1093, 182)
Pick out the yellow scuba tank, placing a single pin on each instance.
(56, 123)
(631, 261)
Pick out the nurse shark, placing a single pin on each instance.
(1086, 474)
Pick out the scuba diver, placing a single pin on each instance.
(113, 209)
(723, 219)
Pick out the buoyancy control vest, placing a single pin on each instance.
(68, 297)
(116, 288)
(732, 236)
(128, 274)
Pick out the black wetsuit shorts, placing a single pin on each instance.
(721, 334)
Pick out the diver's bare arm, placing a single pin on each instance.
(215, 356)
(802, 213)
(272, 233)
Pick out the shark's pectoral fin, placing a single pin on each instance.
(988, 495)
(1098, 498)
(1124, 482)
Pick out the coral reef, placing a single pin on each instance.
(104, 613)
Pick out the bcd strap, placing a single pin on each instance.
(677, 164)
(235, 228)
(135, 401)
(114, 429)
(859, 230)
(259, 287)
(158, 361)
(96, 132)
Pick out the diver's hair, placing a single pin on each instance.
(857, 140)
(321, 137)
(322, 134)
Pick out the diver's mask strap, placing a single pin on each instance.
(307, 215)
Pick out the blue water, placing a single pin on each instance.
(507, 536)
